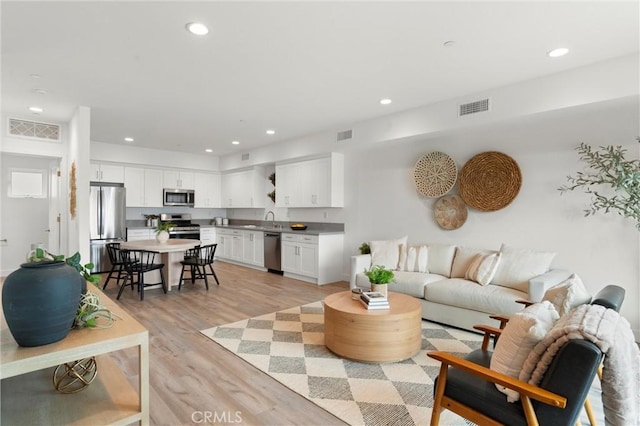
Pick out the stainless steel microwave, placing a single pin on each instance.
(178, 197)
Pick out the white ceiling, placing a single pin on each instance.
(296, 67)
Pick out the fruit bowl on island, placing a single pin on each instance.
(298, 226)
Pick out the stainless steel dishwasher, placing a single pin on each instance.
(272, 254)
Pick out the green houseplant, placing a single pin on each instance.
(608, 170)
(364, 248)
(379, 277)
(162, 231)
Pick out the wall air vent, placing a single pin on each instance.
(245, 157)
(474, 107)
(32, 129)
(344, 135)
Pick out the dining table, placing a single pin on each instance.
(171, 251)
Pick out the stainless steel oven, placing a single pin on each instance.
(183, 228)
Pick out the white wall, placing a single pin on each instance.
(539, 124)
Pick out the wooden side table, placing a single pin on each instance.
(28, 395)
(390, 335)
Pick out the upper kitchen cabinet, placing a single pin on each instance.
(175, 179)
(317, 182)
(244, 189)
(207, 190)
(144, 187)
(107, 173)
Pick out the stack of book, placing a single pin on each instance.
(374, 300)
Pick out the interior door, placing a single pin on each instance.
(23, 220)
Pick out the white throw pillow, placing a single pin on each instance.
(463, 258)
(412, 255)
(483, 268)
(518, 266)
(387, 252)
(423, 259)
(521, 334)
(568, 294)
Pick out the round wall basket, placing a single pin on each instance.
(489, 181)
(435, 174)
(450, 212)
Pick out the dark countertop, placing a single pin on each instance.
(309, 231)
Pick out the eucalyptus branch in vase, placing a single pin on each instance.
(607, 168)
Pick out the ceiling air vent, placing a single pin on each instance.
(245, 157)
(474, 107)
(32, 129)
(344, 135)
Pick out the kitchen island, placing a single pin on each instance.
(172, 252)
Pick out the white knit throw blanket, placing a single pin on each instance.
(621, 368)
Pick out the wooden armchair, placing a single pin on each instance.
(466, 386)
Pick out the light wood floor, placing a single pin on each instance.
(190, 374)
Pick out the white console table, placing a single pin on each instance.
(28, 395)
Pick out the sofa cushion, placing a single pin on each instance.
(412, 283)
(469, 295)
(409, 283)
(463, 258)
(440, 259)
(483, 267)
(387, 252)
(521, 334)
(568, 294)
(518, 266)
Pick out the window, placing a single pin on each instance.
(25, 183)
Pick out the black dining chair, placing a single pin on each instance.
(136, 263)
(197, 260)
(117, 266)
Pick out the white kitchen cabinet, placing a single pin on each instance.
(144, 187)
(317, 182)
(208, 235)
(230, 244)
(313, 258)
(253, 248)
(244, 189)
(107, 173)
(300, 254)
(139, 234)
(181, 179)
(207, 190)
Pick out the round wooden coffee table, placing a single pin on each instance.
(387, 335)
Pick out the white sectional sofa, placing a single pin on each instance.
(435, 274)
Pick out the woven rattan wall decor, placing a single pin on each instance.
(489, 181)
(435, 174)
(450, 212)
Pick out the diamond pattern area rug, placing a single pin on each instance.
(289, 346)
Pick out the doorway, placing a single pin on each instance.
(26, 215)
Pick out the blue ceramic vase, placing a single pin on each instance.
(40, 301)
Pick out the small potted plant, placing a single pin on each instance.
(162, 231)
(364, 248)
(379, 277)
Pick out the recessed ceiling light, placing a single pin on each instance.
(36, 76)
(40, 91)
(128, 139)
(385, 101)
(35, 109)
(197, 28)
(271, 132)
(235, 142)
(561, 51)
(208, 150)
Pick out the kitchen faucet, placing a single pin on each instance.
(273, 218)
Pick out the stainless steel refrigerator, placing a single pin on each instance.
(107, 220)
